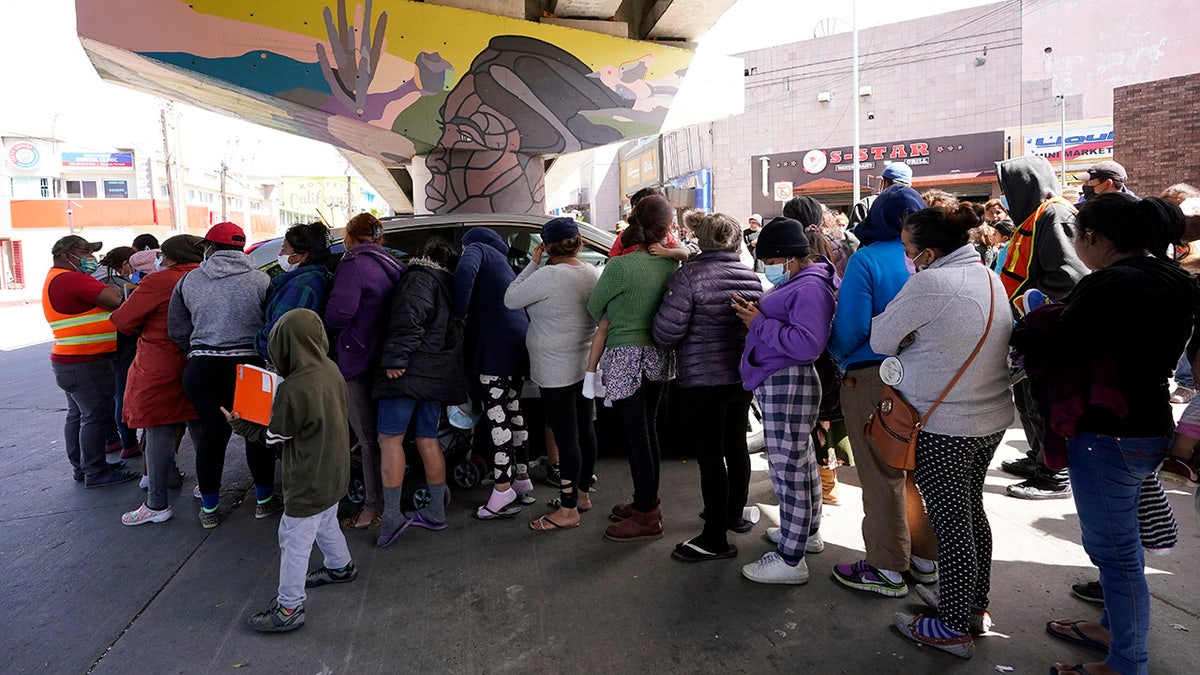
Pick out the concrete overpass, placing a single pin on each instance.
(443, 105)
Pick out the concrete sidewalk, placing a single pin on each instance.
(86, 594)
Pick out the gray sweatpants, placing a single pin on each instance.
(296, 537)
(160, 462)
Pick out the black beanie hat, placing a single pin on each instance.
(781, 238)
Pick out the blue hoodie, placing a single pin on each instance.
(874, 275)
(495, 335)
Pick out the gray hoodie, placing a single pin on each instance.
(945, 308)
(1027, 182)
(217, 309)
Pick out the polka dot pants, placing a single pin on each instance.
(950, 473)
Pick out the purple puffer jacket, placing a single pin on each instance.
(793, 328)
(696, 319)
(362, 289)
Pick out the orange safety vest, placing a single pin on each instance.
(1020, 250)
(78, 334)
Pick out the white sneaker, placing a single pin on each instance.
(196, 492)
(144, 514)
(815, 543)
(771, 569)
(144, 483)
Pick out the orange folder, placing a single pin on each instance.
(254, 393)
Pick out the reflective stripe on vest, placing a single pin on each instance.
(87, 334)
(1020, 250)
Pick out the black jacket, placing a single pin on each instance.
(423, 339)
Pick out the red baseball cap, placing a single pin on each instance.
(226, 233)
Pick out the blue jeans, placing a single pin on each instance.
(1106, 478)
(1183, 373)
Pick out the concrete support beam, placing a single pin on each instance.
(593, 9)
(615, 28)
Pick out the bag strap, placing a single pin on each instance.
(978, 346)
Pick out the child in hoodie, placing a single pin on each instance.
(788, 330)
(309, 426)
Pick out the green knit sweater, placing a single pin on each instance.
(629, 292)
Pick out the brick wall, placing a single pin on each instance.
(1157, 133)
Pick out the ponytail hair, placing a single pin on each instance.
(1154, 225)
(942, 228)
(649, 223)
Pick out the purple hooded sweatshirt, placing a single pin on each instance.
(362, 289)
(793, 327)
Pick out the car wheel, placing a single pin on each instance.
(422, 498)
(755, 441)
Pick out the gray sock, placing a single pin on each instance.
(436, 511)
(392, 517)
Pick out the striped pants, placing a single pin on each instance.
(790, 400)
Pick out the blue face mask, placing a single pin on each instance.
(88, 265)
(777, 274)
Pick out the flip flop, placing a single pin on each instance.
(484, 513)
(689, 552)
(1076, 636)
(417, 520)
(540, 525)
(386, 540)
(1077, 668)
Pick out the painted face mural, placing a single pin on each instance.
(521, 98)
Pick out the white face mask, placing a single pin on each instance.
(284, 264)
(158, 266)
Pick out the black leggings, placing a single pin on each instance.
(208, 382)
(570, 415)
(637, 415)
(950, 473)
(715, 424)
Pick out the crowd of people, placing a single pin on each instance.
(1070, 316)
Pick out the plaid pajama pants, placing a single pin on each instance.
(790, 400)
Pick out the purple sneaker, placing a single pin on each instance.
(862, 576)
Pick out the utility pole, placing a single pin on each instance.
(349, 200)
(854, 94)
(1062, 137)
(224, 198)
(168, 160)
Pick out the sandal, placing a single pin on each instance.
(1075, 636)
(484, 513)
(689, 552)
(361, 522)
(556, 503)
(546, 524)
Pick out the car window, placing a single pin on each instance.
(411, 240)
(522, 239)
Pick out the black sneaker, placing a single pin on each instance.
(1023, 467)
(1038, 488)
(324, 575)
(553, 475)
(111, 477)
(1091, 591)
(277, 619)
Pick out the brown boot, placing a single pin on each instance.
(829, 487)
(640, 526)
(625, 510)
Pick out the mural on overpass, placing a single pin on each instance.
(481, 95)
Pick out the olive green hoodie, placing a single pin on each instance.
(308, 418)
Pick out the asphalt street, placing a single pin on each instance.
(82, 593)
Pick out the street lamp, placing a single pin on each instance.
(1061, 102)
